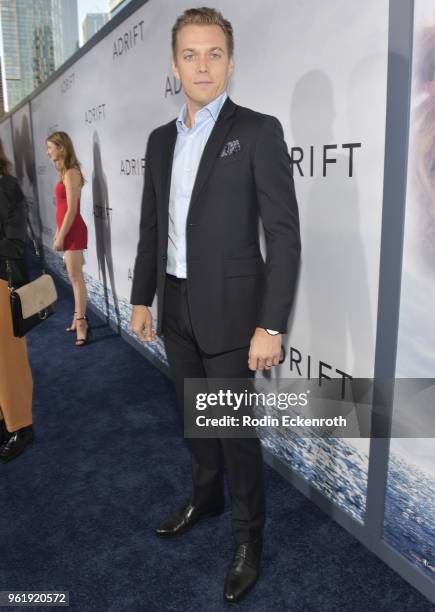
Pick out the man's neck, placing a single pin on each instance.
(191, 111)
(192, 108)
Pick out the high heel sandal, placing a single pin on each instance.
(85, 340)
(71, 329)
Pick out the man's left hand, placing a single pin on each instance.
(265, 350)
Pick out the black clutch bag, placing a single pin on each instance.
(31, 302)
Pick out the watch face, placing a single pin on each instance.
(272, 332)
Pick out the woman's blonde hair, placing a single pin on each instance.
(69, 160)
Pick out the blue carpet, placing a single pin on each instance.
(78, 508)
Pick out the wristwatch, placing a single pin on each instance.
(272, 332)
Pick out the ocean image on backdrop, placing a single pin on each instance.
(333, 465)
(409, 524)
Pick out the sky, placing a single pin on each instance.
(90, 6)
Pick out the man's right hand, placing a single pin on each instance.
(141, 323)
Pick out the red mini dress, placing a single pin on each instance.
(77, 236)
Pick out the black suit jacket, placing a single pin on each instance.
(13, 229)
(231, 290)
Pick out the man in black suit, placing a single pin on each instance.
(209, 176)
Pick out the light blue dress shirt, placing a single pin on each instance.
(187, 155)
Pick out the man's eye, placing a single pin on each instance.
(215, 55)
(188, 57)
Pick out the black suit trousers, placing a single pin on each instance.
(241, 457)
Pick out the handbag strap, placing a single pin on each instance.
(9, 275)
(8, 265)
(34, 240)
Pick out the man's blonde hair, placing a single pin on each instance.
(203, 16)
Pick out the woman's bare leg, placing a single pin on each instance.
(74, 265)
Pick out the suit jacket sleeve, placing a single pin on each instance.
(145, 268)
(280, 217)
(12, 242)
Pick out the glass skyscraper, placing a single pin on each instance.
(92, 23)
(38, 36)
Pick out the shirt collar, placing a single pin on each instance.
(212, 110)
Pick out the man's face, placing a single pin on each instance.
(202, 63)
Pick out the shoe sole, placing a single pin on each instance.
(186, 529)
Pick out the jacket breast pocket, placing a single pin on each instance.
(246, 266)
(230, 159)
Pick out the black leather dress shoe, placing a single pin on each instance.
(184, 519)
(17, 442)
(244, 571)
(4, 433)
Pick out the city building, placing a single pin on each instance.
(92, 23)
(37, 38)
(2, 103)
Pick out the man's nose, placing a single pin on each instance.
(202, 65)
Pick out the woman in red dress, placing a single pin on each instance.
(71, 234)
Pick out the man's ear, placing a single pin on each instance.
(175, 69)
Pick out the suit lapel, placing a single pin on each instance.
(211, 150)
(208, 158)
